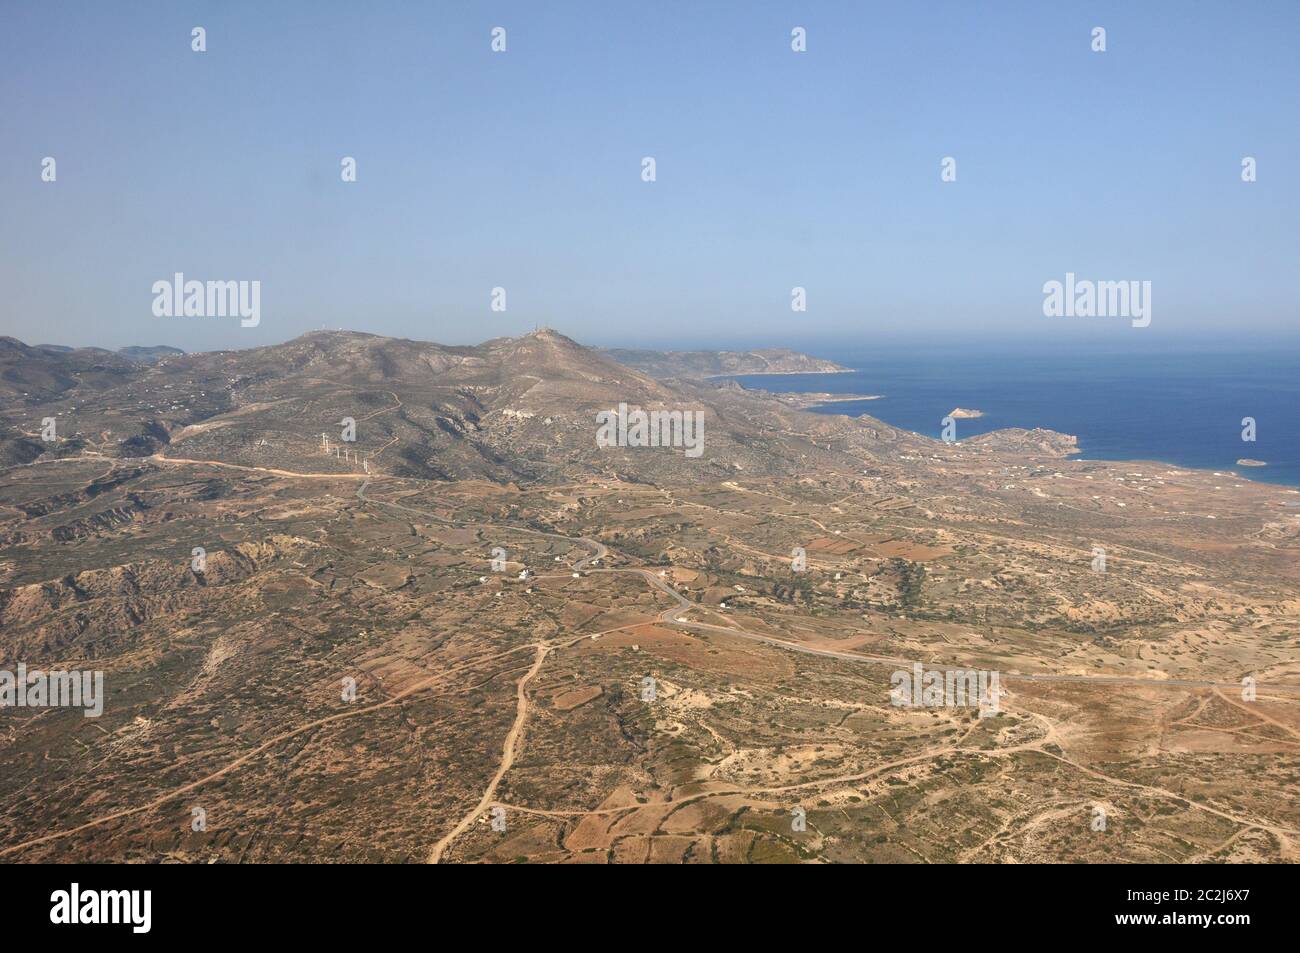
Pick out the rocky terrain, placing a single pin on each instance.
(473, 634)
(669, 365)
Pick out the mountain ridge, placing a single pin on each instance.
(707, 364)
(509, 409)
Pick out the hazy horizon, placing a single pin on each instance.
(454, 538)
(522, 170)
(841, 349)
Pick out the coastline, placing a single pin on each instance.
(1229, 469)
(733, 374)
(1123, 404)
(1226, 473)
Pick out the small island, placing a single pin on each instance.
(965, 412)
(1247, 462)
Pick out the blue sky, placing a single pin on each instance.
(522, 169)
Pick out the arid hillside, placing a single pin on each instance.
(474, 634)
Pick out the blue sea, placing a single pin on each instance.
(1179, 405)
